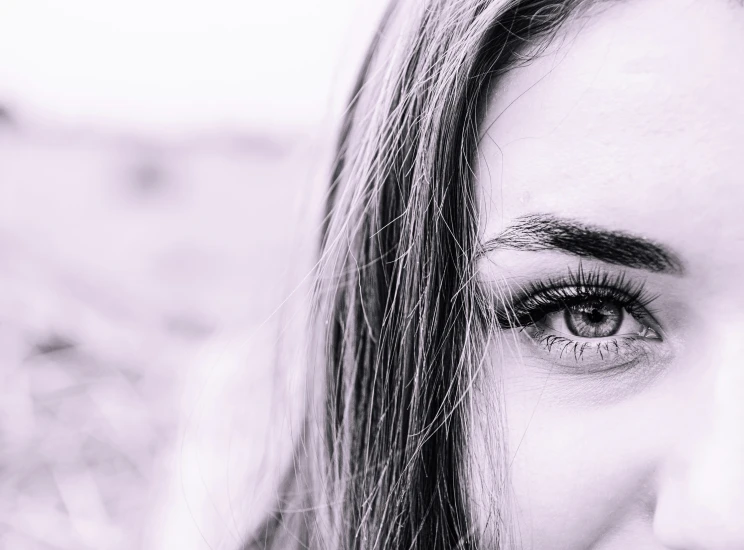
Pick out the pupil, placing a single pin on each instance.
(595, 316)
(593, 319)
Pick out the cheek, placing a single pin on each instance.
(577, 473)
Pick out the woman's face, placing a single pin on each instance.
(611, 180)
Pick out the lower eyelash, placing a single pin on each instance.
(563, 347)
(578, 349)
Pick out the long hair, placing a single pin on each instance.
(399, 323)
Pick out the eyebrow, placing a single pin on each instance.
(546, 232)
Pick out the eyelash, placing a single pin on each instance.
(539, 299)
(544, 297)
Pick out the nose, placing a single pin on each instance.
(700, 502)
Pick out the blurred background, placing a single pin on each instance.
(162, 167)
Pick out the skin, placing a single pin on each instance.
(633, 120)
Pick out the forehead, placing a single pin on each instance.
(632, 119)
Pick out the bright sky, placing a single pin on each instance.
(181, 64)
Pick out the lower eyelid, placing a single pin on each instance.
(597, 355)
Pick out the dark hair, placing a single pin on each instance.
(399, 321)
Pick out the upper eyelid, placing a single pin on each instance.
(581, 292)
(591, 279)
(595, 279)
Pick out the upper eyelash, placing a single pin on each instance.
(542, 297)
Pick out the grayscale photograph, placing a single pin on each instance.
(372, 275)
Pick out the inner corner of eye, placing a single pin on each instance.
(649, 333)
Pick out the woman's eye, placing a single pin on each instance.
(597, 323)
(595, 319)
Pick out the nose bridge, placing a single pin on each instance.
(701, 501)
(726, 402)
(716, 471)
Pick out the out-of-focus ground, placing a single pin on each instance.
(129, 269)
